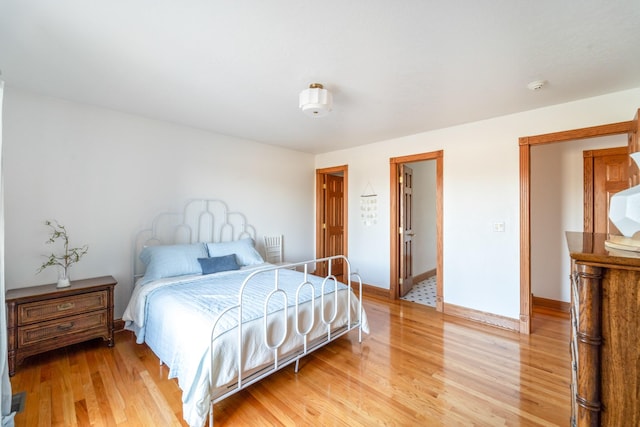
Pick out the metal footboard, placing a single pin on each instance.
(328, 296)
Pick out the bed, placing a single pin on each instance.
(221, 318)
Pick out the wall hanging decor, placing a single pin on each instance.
(369, 206)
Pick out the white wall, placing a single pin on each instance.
(481, 186)
(557, 194)
(105, 174)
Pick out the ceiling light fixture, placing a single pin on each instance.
(316, 101)
(536, 84)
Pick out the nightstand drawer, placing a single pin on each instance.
(32, 334)
(61, 307)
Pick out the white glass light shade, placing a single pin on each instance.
(315, 101)
(624, 208)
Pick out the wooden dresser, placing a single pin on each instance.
(605, 324)
(43, 318)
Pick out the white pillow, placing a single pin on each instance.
(171, 260)
(244, 250)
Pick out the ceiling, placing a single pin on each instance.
(395, 68)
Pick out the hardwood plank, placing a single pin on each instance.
(418, 367)
(44, 405)
(88, 393)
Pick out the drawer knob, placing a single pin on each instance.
(65, 306)
(65, 327)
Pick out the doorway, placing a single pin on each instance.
(398, 223)
(559, 173)
(630, 128)
(331, 218)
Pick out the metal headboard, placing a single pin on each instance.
(202, 220)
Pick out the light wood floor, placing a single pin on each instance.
(417, 367)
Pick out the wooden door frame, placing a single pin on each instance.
(320, 206)
(394, 287)
(526, 142)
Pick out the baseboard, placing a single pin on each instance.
(375, 291)
(483, 317)
(551, 304)
(118, 325)
(424, 276)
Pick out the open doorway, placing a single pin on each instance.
(630, 128)
(399, 264)
(559, 203)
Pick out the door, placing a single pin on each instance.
(331, 233)
(406, 230)
(606, 173)
(334, 216)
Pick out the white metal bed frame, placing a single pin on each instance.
(201, 220)
(308, 346)
(209, 220)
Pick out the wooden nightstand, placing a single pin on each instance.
(43, 318)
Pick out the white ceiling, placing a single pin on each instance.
(395, 67)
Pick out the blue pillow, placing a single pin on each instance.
(219, 263)
(172, 260)
(243, 249)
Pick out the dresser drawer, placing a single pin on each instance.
(32, 334)
(57, 308)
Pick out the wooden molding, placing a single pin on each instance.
(439, 231)
(424, 276)
(605, 151)
(394, 241)
(551, 304)
(582, 133)
(483, 317)
(525, 238)
(118, 325)
(587, 188)
(370, 290)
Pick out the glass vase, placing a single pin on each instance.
(63, 278)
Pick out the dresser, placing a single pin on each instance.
(43, 318)
(605, 328)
